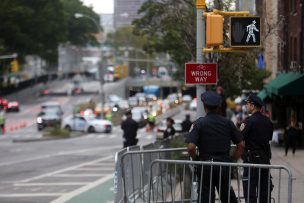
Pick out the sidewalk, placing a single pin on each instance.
(296, 165)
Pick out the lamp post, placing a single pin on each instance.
(103, 61)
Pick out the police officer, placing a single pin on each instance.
(212, 135)
(129, 127)
(257, 130)
(186, 124)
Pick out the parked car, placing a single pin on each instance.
(187, 98)
(13, 106)
(3, 103)
(87, 124)
(48, 117)
(163, 125)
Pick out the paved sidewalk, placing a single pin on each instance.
(296, 165)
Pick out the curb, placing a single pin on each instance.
(45, 139)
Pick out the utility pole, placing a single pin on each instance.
(200, 44)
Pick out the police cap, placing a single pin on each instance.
(128, 112)
(255, 100)
(211, 98)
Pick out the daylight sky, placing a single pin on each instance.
(100, 6)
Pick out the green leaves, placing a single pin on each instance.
(37, 27)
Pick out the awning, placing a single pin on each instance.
(286, 84)
(263, 94)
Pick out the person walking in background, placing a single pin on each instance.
(129, 127)
(170, 131)
(291, 136)
(223, 106)
(186, 124)
(212, 135)
(257, 130)
(2, 120)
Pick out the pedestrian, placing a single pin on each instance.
(257, 130)
(291, 136)
(2, 120)
(170, 131)
(212, 135)
(129, 127)
(186, 124)
(223, 106)
(151, 122)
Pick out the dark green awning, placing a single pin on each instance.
(286, 84)
(263, 94)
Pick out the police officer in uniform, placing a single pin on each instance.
(129, 127)
(212, 135)
(257, 130)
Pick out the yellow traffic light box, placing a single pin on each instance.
(214, 30)
(14, 66)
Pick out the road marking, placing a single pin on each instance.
(32, 195)
(50, 184)
(66, 169)
(68, 196)
(79, 175)
(59, 154)
(88, 169)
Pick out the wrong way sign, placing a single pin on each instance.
(205, 73)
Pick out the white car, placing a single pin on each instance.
(87, 124)
(193, 104)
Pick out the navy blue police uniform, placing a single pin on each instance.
(257, 131)
(129, 127)
(212, 135)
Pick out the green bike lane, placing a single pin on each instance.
(100, 191)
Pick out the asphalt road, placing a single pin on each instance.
(46, 170)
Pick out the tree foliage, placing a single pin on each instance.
(37, 27)
(170, 26)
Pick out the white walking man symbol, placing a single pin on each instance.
(250, 29)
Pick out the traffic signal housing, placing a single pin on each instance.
(14, 66)
(214, 30)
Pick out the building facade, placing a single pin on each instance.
(125, 11)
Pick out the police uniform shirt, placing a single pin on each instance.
(257, 130)
(212, 135)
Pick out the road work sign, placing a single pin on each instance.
(205, 73)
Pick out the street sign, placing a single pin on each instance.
(245, 31)
(205, 73)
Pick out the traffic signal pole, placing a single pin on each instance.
(200, 44)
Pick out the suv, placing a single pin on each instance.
(50, 115)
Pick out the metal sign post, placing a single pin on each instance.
(200, 43)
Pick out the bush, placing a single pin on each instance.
(56, 132)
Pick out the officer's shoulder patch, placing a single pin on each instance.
(242, 127)
(192, 126)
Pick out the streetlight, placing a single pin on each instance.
(103, 60)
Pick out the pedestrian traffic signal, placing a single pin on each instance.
(245, 31)
(14, 66)
(118, 72)
(214, 30)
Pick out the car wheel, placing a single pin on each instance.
(91, 129)
(68, 128)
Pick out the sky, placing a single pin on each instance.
(100, 6)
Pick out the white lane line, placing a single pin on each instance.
(32, 195)
(79, 175)
(66, 169)
(104, 164)
(51, 184)
(88, 169)
(60, 154)
(68, 196)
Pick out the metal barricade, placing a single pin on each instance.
(186, 181)
(135, 166)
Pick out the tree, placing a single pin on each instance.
(170, 26)
(38, 27)
(32, 27)
(79, 31)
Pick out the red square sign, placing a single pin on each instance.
(205, 73)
